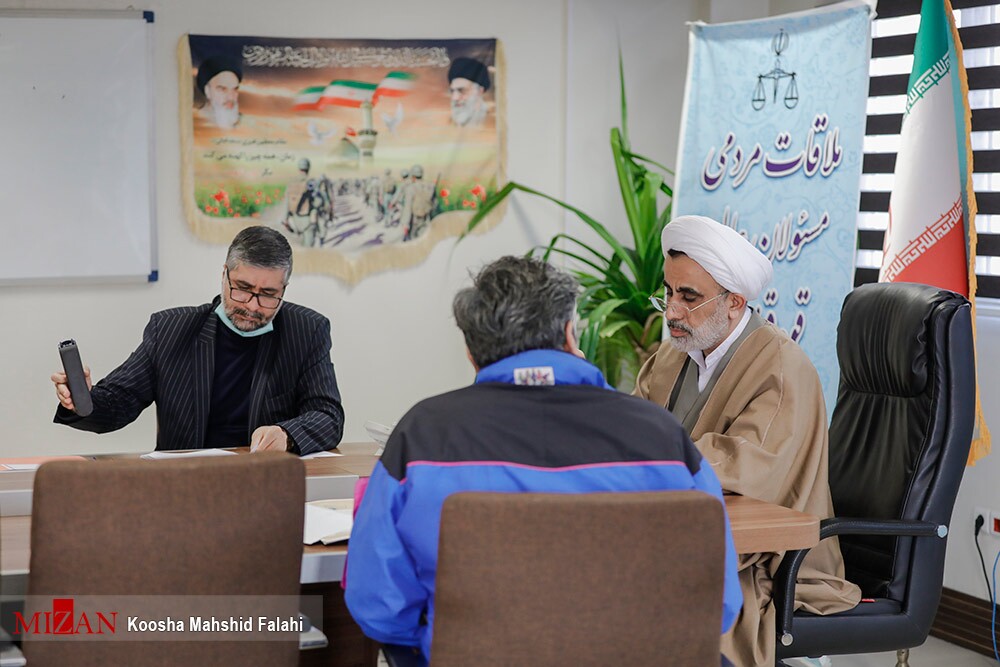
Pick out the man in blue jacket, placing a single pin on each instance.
(538, 418)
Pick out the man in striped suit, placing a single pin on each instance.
(247, 368)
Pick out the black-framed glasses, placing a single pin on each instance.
(245, 296)
(663, 305)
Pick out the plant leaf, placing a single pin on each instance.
(613, 328)
(627, 185)
(602, 311)
(650, 161)
(491, 202)
(601, 230)
(624, 102)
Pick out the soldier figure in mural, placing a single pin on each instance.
(421, 199)
(310, 206)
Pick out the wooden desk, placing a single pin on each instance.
(760, 527)
(756, 525)
(326, 477)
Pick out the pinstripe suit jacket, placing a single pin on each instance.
(293, 383)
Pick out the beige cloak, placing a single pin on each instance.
(763, 429)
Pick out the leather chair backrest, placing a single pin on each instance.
(225, 526)
(902, 426)
(579, 579)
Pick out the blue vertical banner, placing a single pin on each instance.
(771, 145)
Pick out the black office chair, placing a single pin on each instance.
(899, 441)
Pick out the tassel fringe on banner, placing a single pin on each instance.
(349, 268)
(982, 441)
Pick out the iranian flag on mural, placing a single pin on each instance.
(931, 237)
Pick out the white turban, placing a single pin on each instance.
(722, 251)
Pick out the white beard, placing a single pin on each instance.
(226, 118)
(711, 332)
(470, 113)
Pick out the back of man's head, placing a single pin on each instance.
(515, 304)
(262, 247)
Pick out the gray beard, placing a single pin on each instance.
(711, 332)
(245, 326)
(472, 113)
(226, 118)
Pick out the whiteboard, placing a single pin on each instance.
(76, 138)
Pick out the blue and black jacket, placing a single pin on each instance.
(541, 421)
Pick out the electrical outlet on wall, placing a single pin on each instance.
(991, 520)
(985, 513)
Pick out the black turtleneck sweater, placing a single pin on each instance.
(229, 415)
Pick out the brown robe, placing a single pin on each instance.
(763, 429)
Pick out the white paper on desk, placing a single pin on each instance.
(186, 454)
(19, 467)
(319, 455)
(327, 524)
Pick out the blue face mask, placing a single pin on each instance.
(221, 312)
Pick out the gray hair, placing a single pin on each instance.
(262, 247)
(515, 304)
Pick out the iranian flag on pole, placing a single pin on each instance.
(395, 84)
(345, 93)
(308, 99)
(931, 237)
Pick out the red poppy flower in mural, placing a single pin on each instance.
(465, 203)
(479, 191)
(220, 195)
(445, 192)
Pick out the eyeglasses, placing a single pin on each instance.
(245, 296)
(664, 306)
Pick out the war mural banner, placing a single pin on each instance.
(772, 145)
(364, 153)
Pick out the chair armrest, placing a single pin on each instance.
(403, 656)
(783, 592)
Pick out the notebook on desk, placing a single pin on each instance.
(328, 521)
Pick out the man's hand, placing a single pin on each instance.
(269, 438)
(62, 389)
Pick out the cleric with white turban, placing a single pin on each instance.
(752, 403)
(722, 251)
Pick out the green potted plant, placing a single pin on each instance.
(620, 328)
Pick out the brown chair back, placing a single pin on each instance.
(579, 579)
(226, 526)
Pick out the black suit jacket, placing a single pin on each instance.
(293, 384)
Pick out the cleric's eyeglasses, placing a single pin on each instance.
(664, 306)
(244, 296)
